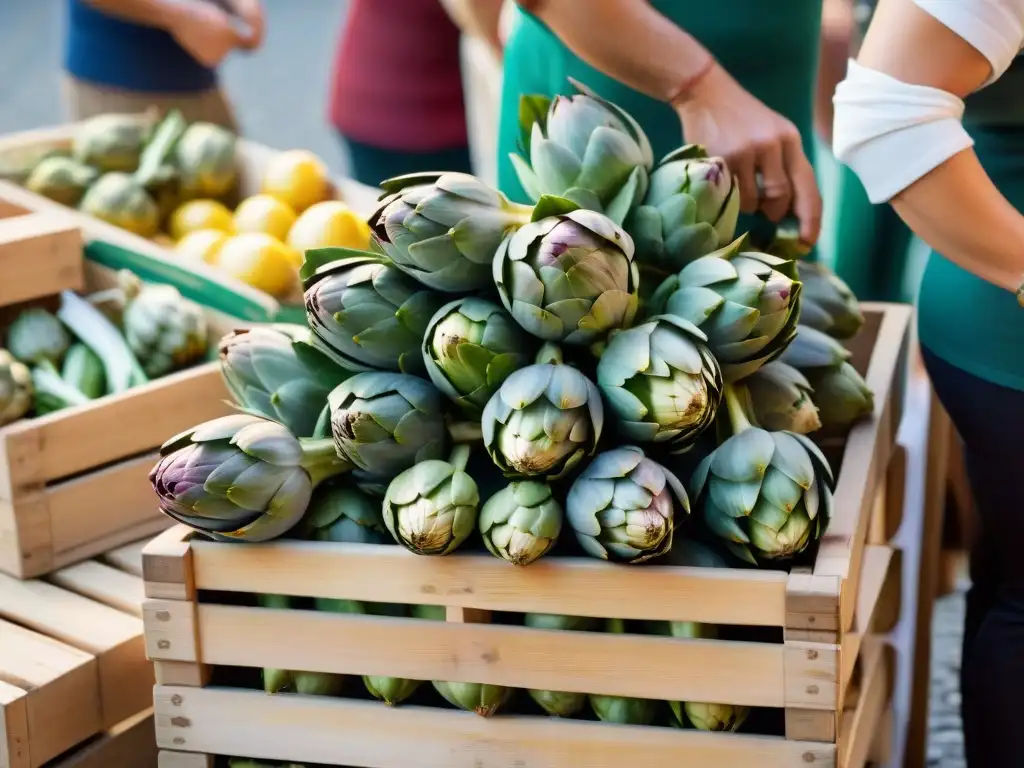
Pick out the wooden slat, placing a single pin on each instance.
(574, 586)
(104, 584)
(14, 737)
(127, 558)
(131, 744)
(40, 255)
(587, 662)
(345, 732)
(877, 560)
(167, 565)
(61, 700)
(112, 637)
(859, 728)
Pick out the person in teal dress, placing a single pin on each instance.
(736, 76)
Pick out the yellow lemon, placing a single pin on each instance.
(263, 213)
(202, 245)
(262, 261)
(326, 224)
(298, 178)
(200, 214)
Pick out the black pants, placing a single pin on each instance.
(990, 419)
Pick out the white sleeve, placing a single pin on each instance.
(994, 27)
(892, 133)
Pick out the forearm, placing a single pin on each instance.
(151, 13)
(837, 33)
(626, 39)
(978, 230)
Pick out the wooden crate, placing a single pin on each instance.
(75, 483)
(828, 670)
(40, 255)
(75, 685)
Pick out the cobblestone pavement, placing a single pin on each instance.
(945, 739)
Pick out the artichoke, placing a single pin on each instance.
(241, 477)
(568, 277)
(369, 316)
(690, 210)
(621, 507)
(111, 142)
(245, 762)
(15, 388)
(120, 199)
(710, 717)
(746, 302)
(299, 681)
(622, 709)
(484, 700)
(431, 508)
(781, 399)
(559, 622)
(521, 522)
(840, 392)
(827, 303)
(337, 512)
(274, 371)
(583, 148)
(205, 157)
(390, 690)
(444, 229)
(559, 703)
(767, 494)
(661, 382)
(470, 347)
(543, 419)
(386, 422)
(36, 335)
(61, 179)
(165, 331)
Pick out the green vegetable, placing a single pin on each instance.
(52, 393)
(521, 522)
(35, 336)
(102, 337)
(481, 699)
(15, 388)
(309, 683)
(83, 370)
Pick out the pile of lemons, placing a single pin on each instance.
(261, 243)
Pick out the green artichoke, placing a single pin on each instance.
(583, 148)
(568, 277)
(768, 495)
(827, 303)
(559, 622)
(386, 422)
(559, 703)
(781, 399)
(274, 371)
(337, 512)
(15, 388)
(165, 331)
(61, 179)
(431, 508)
(484, 700)
(241, 477)
(746, 302)
(36, 335)
(710, 717)
(621, 507)
(840, 392)
(367, 315)
(470, 347)
(622, 709)
(661, 382)
(690, 210)
(521, 523)
(391, 690)
(543, 419)
(444, 229)
(110, 142)
(298, 681)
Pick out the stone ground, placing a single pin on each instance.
(280, 95)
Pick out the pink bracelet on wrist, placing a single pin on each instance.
(682, 91)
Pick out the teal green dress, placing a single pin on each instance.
(769, 46)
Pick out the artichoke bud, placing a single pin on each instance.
(828, 304)
(338, 512)
(37, 335)
(710, 717)
(15, 388)
(781, 399)
(166, 331)
(559, 703)
(521, 522)
(560, 622)
(484, 700)
(390, 690)
(624, 710)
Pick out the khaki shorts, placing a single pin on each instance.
(82, 100)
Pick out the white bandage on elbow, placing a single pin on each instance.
(892, 133)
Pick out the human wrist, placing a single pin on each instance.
(692, 83)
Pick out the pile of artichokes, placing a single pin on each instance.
(493, 376)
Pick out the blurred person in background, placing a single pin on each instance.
(738, 76)
(128, 55)
(396, 94)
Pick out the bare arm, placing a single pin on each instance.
(837, 41)
(956, 208)
(477, 18)
(151, 13)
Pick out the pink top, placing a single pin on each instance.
(397, 82)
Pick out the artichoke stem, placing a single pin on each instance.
(321, 460)
(549, 353)
(738, 419)
(465, 432)
(519, 214)
(459, 457)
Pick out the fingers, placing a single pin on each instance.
(806, 197)
(744, 171)
(776, 191)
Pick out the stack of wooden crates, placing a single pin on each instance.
(75, 511)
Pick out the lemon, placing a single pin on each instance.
(326, 224)
(263, 213)
(262, 261)
(202, 245)
(200, 214)
(297, 178)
